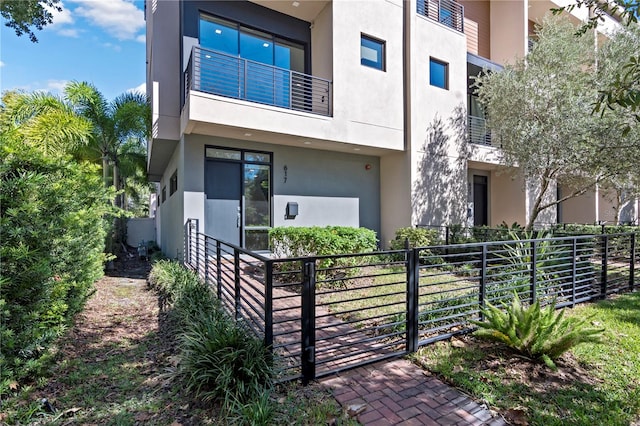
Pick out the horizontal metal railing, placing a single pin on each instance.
(323, 314)
(477, 130)
(446, 12)
(221, 74)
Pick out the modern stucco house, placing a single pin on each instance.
(271, 112)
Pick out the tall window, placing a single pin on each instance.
(372, 52)
(438, 73)
(244, 63)
(236, 40)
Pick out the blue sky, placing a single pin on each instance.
(99, 41)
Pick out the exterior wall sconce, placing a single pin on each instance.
(292, 210)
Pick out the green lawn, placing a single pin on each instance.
(597, 384)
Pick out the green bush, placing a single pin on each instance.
(53, 236)
(317, 241)
(418, 237)
(219, 359)
(538, 333)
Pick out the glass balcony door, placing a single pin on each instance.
(258, 66)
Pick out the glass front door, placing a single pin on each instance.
(238, 190)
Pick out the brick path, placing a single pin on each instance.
(399, 393)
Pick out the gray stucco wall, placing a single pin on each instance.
(330, 187)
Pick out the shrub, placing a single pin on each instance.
(219, 359)
(538, 333)
(53, 236)
(418, 237)
(317, 241)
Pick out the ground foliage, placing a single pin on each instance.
(594, 383)
(538, 333)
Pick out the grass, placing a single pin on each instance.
(596, 384)
(383, 292)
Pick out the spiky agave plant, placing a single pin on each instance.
(533, 331)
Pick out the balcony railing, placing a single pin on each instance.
(478, 131)
(220, 74)
(446, 12)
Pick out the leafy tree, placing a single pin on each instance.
(624, 91)
(22, 15)
(539, 109)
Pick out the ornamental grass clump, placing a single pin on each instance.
(538, 333)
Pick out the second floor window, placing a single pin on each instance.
(235, 40)
(438, 73)
(372, 52)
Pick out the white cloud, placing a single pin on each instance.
(69, 32)
(1, 64)
(115, 47)
(56, 86)
(142, 38)
(61, 17)
(62, 21)
(120, 18)
(142, 88)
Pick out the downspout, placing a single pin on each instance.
(406, 94)
(406, 72)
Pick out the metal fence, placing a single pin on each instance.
(324, 314)
(446, 12)
(217, 73)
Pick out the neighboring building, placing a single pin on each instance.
(292, 113)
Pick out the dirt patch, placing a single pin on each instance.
(113, 363)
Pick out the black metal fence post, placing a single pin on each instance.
(268, 304)
(413, 282)
(236, 279)
(603, 276)
(534, 272)
(483, 281)
(632, 264)
(308, 315)
(218, 272)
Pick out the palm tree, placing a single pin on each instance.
(44, 121)
(117, 127)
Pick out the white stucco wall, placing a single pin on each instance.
(438, 117)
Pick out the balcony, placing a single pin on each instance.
(446, 12)
(220, 74)
(477, 131)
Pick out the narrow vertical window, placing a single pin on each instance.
(164, 194)
(438, 73)
(173, 183)
(372, 52)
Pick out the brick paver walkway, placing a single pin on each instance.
(399, 393)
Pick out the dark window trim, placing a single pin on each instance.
(242, 152)
(164, 194)
(383, 46)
